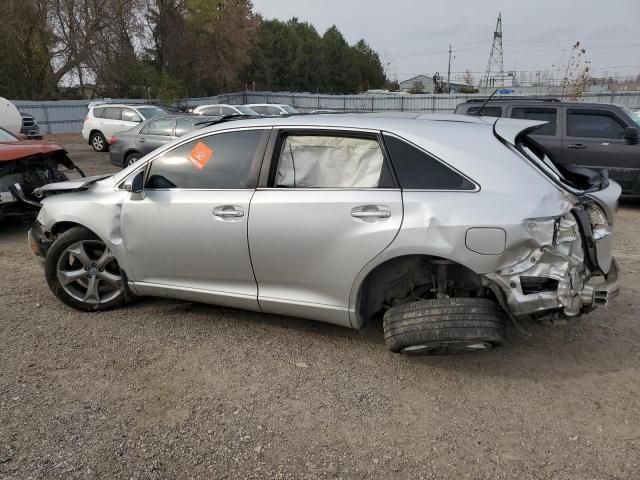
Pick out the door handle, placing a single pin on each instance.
(228, 212)
(577, 146)
(141, 140)
(370, 213)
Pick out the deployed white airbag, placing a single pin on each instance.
(329, 162)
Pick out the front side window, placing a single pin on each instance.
(162, 126)
(538, 113)
(275, 111)
(222, 161)
(211, 111)
(244, 110)
(327, 161)
(112, 113)
(418, 170)
(592, 124)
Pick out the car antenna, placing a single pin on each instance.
(485, 102)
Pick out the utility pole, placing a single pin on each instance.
(449, 72)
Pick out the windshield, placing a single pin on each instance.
(635, 116)
(6, 136)
(245, 110)
(149, 112)
(289, 109)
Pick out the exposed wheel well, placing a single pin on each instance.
(62, 227)
(416, 277)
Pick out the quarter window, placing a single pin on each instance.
(594, 125)
(326, 161)
(183, 125)
(536, 113)
(161, 127)
(419, 171)
(222, 161)
(98, 112)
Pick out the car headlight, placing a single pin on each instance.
(599, 223)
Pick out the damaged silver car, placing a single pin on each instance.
(446, 226)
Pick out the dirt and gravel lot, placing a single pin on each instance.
(167, 389)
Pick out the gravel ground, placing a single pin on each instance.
(167, 389)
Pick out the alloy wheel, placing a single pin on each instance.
(88, 271)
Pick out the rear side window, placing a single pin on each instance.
(581, 123)
(418, 170)
(486, 111)
(260, 109)
(112, 113)
(331, 161)
(130, 115)
(98, 112)
(222, 161)
(162, 127)
(537, 113)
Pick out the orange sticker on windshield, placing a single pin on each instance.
(200, 155)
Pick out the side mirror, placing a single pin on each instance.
(134, 183)
(631, 135)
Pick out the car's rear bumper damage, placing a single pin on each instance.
(563, 273)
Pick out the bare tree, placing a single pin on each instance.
(468, 78)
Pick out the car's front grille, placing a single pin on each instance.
(28, 122)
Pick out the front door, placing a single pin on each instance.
(594, 140)
(187, 236)
(330, 207)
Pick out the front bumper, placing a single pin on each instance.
(38, 243)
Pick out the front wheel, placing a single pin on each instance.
(83, 273)
(131, 159)
(444, 326)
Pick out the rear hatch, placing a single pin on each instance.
(596, 194)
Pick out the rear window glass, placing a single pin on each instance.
(486, 111)
(419, 171)
(536, 113)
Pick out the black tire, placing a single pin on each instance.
(98, 142)
(444, 326)
(59, 248)
(130, 159)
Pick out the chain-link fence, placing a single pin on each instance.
(67, 116)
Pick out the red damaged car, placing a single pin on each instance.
(26, 165)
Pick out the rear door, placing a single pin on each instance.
(548, 135)
(111, 121)
(593, 139)
(155, 134)
(328, 204)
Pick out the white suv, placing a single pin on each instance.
(104, 120)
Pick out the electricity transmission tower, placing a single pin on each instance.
(494, 77)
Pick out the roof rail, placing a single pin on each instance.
(512, 98)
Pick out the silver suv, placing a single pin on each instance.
(448, 226)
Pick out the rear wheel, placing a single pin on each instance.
(83, 273)
(444, 326)
(130, 159)
(98, 142)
